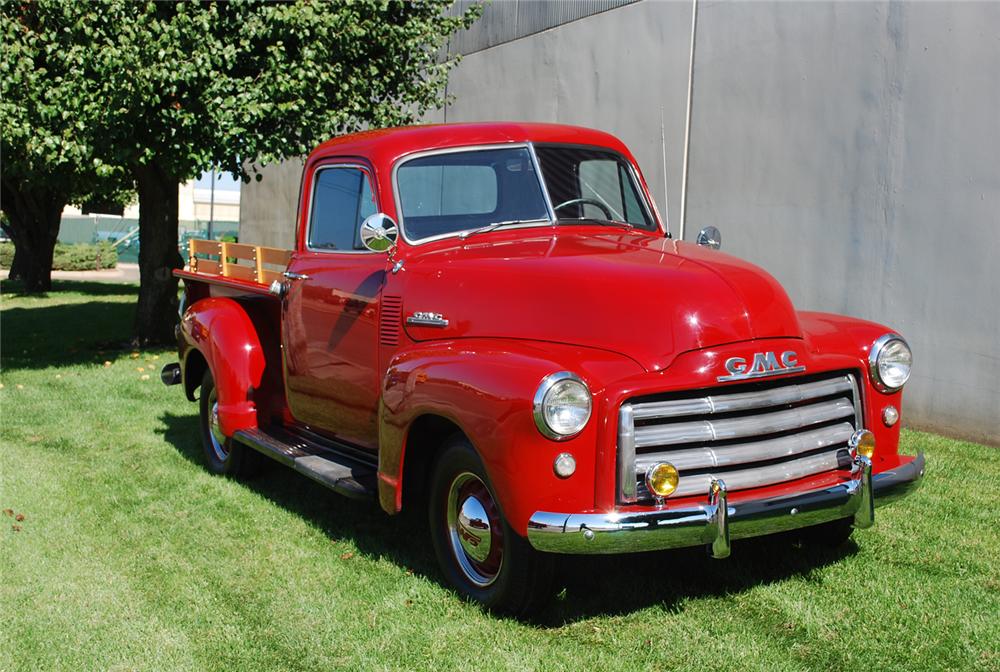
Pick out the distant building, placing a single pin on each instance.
(196, 206)
(195, 203)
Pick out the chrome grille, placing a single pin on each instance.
(750, 436)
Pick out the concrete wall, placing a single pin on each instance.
(621, 71)
(506, 20)
(853, 150)
(268, 207)
(849, 148)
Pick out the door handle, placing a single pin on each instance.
(295, 276)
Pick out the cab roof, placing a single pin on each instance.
(389, 144)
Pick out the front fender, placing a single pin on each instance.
(829, 333)
(486, 387)
(225, 336)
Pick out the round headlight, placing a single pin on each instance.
(562, 405)
(889, 362)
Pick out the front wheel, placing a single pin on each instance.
(479, 553)
(223, 455)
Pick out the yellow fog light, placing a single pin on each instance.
(862, 443)
(662, 478)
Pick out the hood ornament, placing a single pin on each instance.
(764, 364)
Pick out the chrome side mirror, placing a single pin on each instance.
(709, 237)
(379, 232)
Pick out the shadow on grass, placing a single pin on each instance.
(593, 585)
(16, 288)
(374, 533)
(616, 585)
(39, 337)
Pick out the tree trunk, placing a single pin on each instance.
(34, 215)
(156, 313)
(18, 265)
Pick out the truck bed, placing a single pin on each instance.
(248, 268)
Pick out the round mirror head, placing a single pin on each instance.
(709, 237)
(378, 232)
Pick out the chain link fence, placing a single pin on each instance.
(123, 232)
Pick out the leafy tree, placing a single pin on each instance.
(45, 147)
(175, 88)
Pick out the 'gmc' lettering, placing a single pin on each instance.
(764, 364)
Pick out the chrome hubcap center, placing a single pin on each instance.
(474, 530)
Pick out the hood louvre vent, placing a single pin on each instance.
(392, 313)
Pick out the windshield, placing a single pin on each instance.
(591, 184)
(478, 190)
(458, 191)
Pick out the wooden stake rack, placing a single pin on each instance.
(239, 261)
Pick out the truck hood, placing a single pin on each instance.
(645, 297)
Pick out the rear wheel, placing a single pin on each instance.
(223, 455)
(479, 553)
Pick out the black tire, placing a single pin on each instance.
(223, 455)
(513, 578)
(827, 535)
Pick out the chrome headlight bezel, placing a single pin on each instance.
(547, 386)
(877, 350)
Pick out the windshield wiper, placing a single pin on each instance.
(598, 220)
(497, 225)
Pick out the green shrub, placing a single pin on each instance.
(89, 257)
(229, 238)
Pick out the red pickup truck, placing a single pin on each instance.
(491, 322)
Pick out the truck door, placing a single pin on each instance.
(330, 310)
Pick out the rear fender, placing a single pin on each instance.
(223, 333)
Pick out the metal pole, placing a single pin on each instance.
(211, 206)
(666, 188)
(687, 123)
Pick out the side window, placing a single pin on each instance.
(342, 198)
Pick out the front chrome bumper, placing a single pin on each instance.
(716, 522)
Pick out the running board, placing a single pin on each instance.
(342, 474)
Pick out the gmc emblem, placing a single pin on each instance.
(764, 364)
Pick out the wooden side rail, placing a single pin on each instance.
(271, 256)
(251, 263)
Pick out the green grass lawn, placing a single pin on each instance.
(132, 556)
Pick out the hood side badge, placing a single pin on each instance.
(424, 319)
